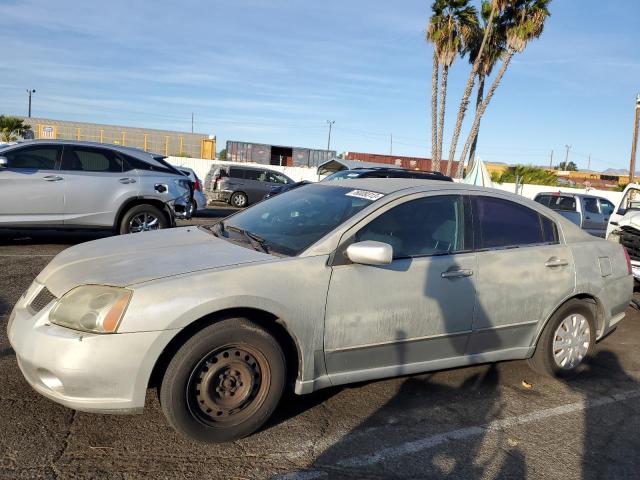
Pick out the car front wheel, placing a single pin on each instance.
(567, 339)
(224, 382)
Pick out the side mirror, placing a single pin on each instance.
(370, 253)
(4, 162)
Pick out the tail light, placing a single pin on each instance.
(626, 255)
(197, 185)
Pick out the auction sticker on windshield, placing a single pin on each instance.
(366, 194)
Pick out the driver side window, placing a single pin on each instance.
(425, 226)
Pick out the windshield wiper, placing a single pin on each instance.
(257, 242)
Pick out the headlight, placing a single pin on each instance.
(91, 308)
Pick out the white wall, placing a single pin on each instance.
(201, 167)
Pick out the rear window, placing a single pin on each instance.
(557, 202)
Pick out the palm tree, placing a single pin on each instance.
(11, 128)
(524, 21)
(494, 49)
(451, 29)
(497, 6)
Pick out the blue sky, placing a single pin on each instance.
(274, 71)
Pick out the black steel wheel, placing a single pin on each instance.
(224, 382)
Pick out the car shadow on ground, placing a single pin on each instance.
(49, 237)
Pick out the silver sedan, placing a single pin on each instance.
(323, 285)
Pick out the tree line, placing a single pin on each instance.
(488, 37)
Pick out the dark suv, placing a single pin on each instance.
(385, 172)
(241, 186)
(373, 172)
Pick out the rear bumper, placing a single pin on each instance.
(220, 195)
(83, 371)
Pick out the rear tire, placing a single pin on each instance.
(141, 218)
(567, 339)
(239, 200)
(224, 382)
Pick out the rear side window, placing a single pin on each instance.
(86, 159)
(549, 230)
(236, 172)
(254, 175)
(132, 163)
(501, 223)
(591, 205)
(43, 157)
(558, 202)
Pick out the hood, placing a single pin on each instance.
(140, 257)
(630, 220)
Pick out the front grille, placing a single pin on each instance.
(41, 300)
(631, 241)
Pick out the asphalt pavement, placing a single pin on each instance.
(488, 421)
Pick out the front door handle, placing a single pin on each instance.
(456, 273)
(52, 178)
(556, 262)
(127, 180)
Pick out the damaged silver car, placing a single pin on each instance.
(319, 286)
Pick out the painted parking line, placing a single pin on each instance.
(462, 434)
(23, 255)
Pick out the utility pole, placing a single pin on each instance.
(330, 122)
(191, 122)
(30, 92)
(391, 146)
(566, 157)
(551, 160)
(589, 163)
(634, 144)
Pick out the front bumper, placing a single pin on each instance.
(84, 371)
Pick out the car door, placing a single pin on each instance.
(390, 319)
(96, 185)
(593, 219)
(31, 186)
(606, 208)
(524, 272)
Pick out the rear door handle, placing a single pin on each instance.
(127, 180)
(457, 273)
(556, 262)
(52, 178)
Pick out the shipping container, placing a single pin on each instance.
(410, 163)
(276, 154)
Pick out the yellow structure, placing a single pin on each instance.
(165, 142)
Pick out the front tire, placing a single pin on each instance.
(142, 218)
(224, 382)
(567, 339)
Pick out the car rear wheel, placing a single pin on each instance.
(143, 218)
(224, 382)
(239, 200)
(567, 339)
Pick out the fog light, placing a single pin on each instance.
(50, 381)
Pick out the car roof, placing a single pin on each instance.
(82, 143)
(392, 185)
(571, 194)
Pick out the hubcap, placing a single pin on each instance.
(143, 222)
(228, 385)
(239, 200)
(571, 341)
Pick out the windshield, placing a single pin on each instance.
(289, 223)
(341, 175)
